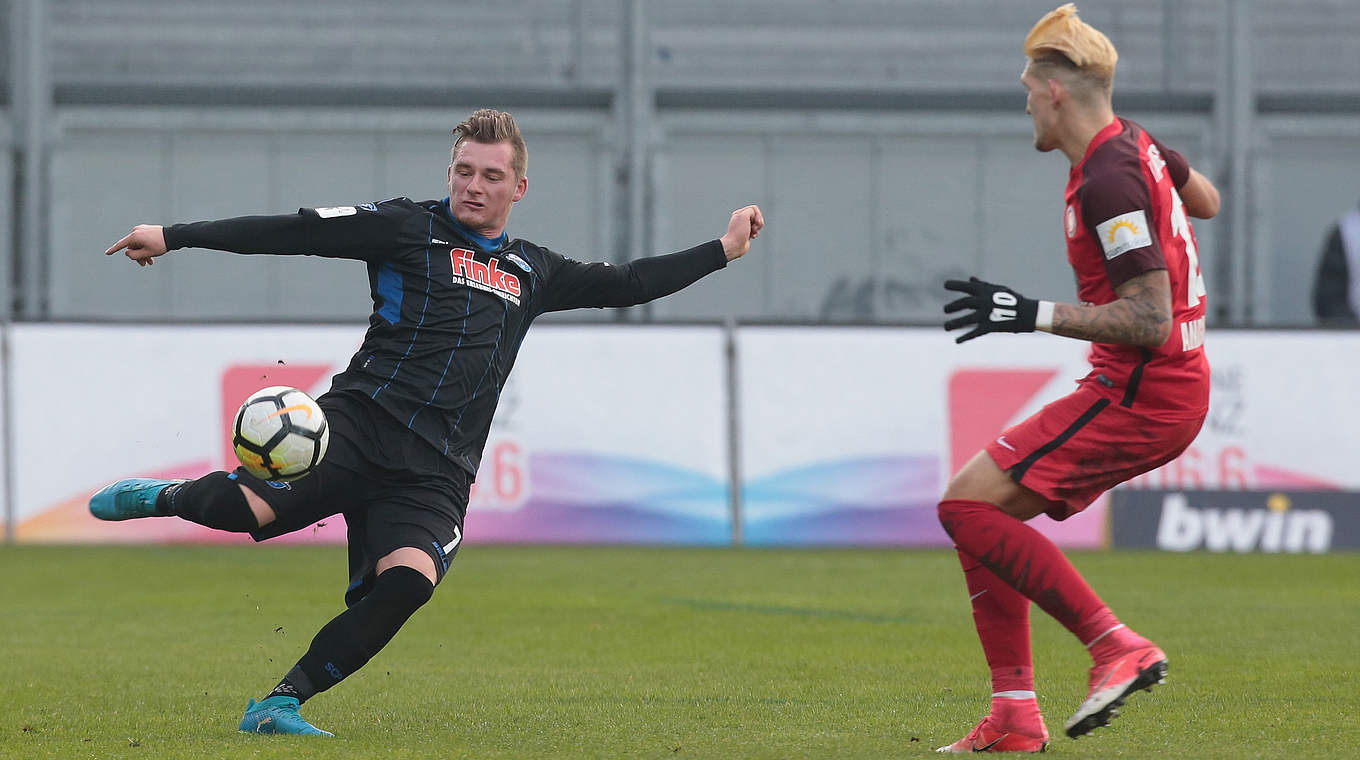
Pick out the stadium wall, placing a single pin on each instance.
(628, 434)
(892, 132)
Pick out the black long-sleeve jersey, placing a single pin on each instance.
(450, 308)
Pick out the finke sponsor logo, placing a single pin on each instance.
(467, 270)
(1273, 528)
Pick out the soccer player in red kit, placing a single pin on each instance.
(1138, 277)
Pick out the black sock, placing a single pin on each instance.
(295, 684)
(350, 640)
(214, 500)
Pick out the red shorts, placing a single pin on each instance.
(1084, 444)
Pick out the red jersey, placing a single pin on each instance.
(1123, 217)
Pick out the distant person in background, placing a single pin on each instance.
(1142, 308)
(453, 296)
(1336, 291)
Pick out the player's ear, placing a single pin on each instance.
(521, 189)
(1057, 91)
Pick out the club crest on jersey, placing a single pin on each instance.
(467, 270)
(1070, 220)
(1122, 233)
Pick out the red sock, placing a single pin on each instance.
(1001, 616)
(1115, 641)
(1016, 713)
(1029, 563)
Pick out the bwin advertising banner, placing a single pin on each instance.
(1312, 522)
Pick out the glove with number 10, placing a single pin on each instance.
(993, 308)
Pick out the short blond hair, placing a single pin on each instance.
(490, 126)
(1060, 38)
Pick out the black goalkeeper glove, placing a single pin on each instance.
(995, 308)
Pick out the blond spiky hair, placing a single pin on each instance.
(1062, 32)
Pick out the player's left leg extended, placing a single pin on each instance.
(223, 500)
(130, 498)
(216, 500)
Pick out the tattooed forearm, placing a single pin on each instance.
(1141, 316)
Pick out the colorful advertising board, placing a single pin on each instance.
(623, 433)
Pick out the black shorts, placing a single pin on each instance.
(394, 489)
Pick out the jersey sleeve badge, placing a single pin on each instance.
(1123, 233)
(331, 212)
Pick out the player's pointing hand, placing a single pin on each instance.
(143, 244)
(742, 228)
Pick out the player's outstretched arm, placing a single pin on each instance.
(1140, 316)
(575, 285)
(143, 244)
(1199, 196)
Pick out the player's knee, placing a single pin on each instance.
(954, 512)
(215, 501)
(402, 590)
(412, 557)
(949, 512)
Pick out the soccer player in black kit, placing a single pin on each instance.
(452, 298)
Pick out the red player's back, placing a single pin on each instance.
(1123, 217)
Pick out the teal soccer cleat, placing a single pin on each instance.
(277, 715)
(128, 499)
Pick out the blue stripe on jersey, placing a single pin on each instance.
(491, 362)
(461, 334)
(533, 275)
(389, 288)
(443, 558)
(424, 309)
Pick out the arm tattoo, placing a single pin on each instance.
(1141, 316)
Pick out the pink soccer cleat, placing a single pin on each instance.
(987, 737)
(1112, 682)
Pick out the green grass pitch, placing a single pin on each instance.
(152, 652)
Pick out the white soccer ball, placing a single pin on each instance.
(280, 434)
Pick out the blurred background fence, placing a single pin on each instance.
(885, 139)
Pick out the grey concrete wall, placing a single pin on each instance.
(885, 138)
(870, 213)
